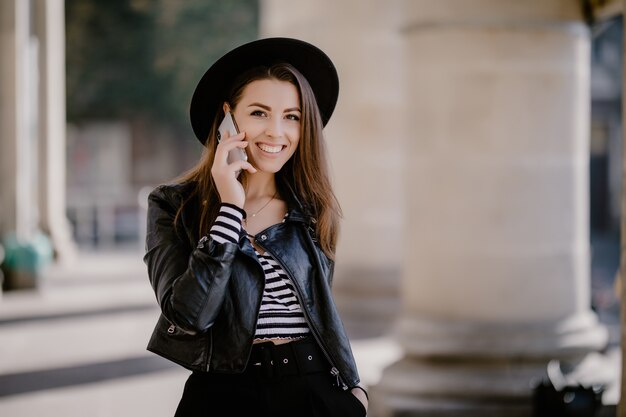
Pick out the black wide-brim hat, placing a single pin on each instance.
(216, 82)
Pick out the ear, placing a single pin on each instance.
(226, 107)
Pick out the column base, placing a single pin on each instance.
(478, 369)
(404, 406)
(63, 245)
(451, 385)
(570, 338)
(416, 387)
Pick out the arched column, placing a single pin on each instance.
(52, 122)
(16, 202)
(496, 274)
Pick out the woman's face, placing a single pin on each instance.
(269, 112)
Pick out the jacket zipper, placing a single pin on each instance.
(258, 312)
(333, 370)
(208, 362)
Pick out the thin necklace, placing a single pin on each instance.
(264, 205)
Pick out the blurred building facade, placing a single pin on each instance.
(606, 125)
(471, 121)
(89, 175)
(32, 117)
(460, 150)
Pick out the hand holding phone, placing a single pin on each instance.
(228, 125)
(226, 180)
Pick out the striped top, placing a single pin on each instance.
(227, 225)
(280, 316)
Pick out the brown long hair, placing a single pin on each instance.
(305, 175)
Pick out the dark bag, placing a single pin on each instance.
(555, 396)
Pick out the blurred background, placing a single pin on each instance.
(476, 150)
(131, 69)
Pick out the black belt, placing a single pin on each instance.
(294, 358)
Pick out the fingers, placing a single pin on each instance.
(231, 139)
(221, 163)
(226, 174)
(232, 145)
(228, 144)
(227, 136)
(247, 166)
(358, 393)
(241, 166)
(232, 169)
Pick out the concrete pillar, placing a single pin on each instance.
(50, 30)
(15, 187)
(496, 276)
(365, 138)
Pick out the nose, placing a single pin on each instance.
(274, 128)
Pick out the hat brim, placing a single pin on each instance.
(309, 60)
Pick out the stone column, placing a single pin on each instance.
(365, 138)
(496, 276)
(14, 141)
(50, 30)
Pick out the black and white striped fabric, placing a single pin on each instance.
(281, 316)
(227, 225)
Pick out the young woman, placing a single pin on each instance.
(241, 253)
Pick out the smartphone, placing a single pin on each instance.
(228, 125)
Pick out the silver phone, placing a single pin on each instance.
(228, 125)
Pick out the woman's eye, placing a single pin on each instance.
(293, 117)
(257, 113)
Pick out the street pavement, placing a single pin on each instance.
(75, 346)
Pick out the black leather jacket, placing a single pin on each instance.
(210, 293)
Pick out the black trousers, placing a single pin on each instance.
(259, 391)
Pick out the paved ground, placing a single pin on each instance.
(76, 346)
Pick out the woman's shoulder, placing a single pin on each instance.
(174, 193)
(182, 189)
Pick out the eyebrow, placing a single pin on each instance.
(263, 106)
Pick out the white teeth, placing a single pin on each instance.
(270, 149)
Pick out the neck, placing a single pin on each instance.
(260, 184)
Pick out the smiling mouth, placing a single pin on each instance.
(270, 149)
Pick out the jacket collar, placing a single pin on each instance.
(297, 216)
(297, 210)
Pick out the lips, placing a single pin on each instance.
(270, 149)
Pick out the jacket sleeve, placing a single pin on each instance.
(190, 283)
